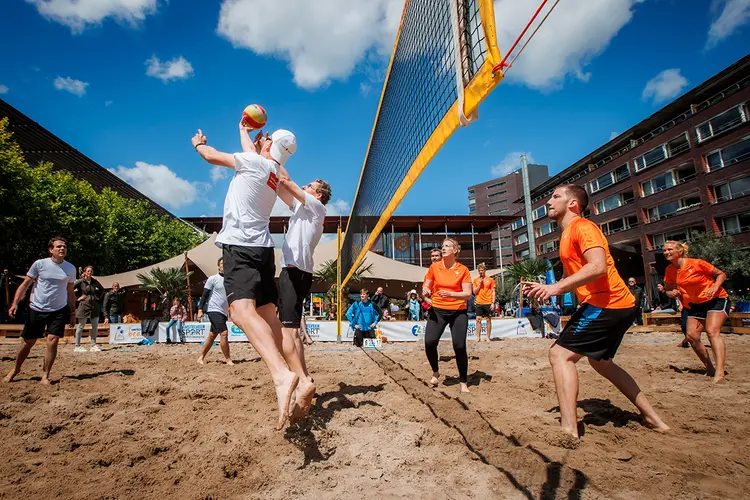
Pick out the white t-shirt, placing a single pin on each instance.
(305, 230)
(217, 301)
(50, 292)
(249, 201)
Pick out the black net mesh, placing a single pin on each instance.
(420, 89)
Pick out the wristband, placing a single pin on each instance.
(199, 144)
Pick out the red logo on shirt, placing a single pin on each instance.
(273, 181)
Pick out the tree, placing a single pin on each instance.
(724, 253)
(327, 273)
(112, 233)
(528, 270)
(504, 289)
(168, 284)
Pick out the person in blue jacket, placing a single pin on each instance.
(363, 318)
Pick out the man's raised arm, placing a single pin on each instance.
(210, 154)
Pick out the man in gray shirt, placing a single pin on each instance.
(52, 305)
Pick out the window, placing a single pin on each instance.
(471, 192)
(549, 246)
(496, 203)
(472, 209)
(492, 195)
(617, 225)
(498, 212)
(498, 184)
(660, 153)
(523, 254)
(545, 229)
(729, 155)
(518, 223)
(613, 202)
(685, 234)
(539, 212)
(472, 201)
(672, 208)
(721, 123)
(678, 145)
(609, 179)
(684, 173)
(733, 189)
(664, 181)
(734, 224)
(521, 239)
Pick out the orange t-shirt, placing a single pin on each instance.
(695, 277)
(609, 291)
(447, 279)
(484, 297)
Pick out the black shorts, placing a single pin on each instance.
(294, 285)
(54, 322)
(483, 310)
(218, 322)
(249, 274)
(717, 305)
(596, 332)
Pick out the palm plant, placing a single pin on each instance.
(169, 283)
(327, 273)
(528, 270)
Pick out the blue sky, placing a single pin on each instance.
(127, 82)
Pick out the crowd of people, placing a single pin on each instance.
(271, 316)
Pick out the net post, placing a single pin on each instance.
(338, 285)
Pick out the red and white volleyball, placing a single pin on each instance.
(254, 116)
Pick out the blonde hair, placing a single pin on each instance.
(455, 244)
(481, 267)
(680, 246)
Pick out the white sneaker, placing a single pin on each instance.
(79, 348)
(95, 348)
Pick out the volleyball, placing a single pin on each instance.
(254, 116)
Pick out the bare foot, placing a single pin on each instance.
(303, 400)
(10, 376)
(465, 388)
(284, 395)
(200, 361)
(434, 380)
(719, 379)
(570, 431)
(228, 361)
(45, 379)
(655, 424)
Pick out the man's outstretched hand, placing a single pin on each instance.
(198, 138)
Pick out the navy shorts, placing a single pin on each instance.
(717, 305)
(596, 332)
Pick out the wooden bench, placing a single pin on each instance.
(659, 318)
(738, 323)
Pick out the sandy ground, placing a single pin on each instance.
(149, 423)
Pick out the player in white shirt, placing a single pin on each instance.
(52, 305)
(305, 229)
(247, 250)
(214, 303)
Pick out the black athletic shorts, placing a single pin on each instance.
(294, 285)
(249, 274)
(483, 310)
(596, 332)
(716, 305)
(54, 322)
(218, 322)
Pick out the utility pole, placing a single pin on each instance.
(527, 205)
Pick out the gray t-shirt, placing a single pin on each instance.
(50, 291)
(217, 301)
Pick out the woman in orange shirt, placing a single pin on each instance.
(698, 286)
(449, 285)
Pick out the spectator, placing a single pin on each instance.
(177, 314)
(88, 293)
(363, 317)
(638, 294)
(662, 301)
(114, 304)
(414, 306)
(382, 302)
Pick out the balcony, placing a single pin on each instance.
(732, 196)
(661, 189)
(679, 211)
(621, 229)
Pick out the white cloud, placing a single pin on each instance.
(734, 14)
(159, 183)
(79, 14)
(176, 69)
(4, 89)
(338, 207)
(511, 162)
(67, 84)
(613, 135)
(665, 86)
(218, 173)
(574, 34)
(107, 104)
(322, 40)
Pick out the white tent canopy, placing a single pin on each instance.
(207, 254)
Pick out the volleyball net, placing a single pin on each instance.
(445, 62)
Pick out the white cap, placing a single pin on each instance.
(283, 145)
(413, 291)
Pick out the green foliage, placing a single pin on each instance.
(112, 233)
(527, 270)
(170, 283)
(724, 253)
(326, 273)
(504, 292)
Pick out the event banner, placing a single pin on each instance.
(323, 331)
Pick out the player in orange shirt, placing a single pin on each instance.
(484, 289)
(449, 284)
(698, 286)
(607, 310)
